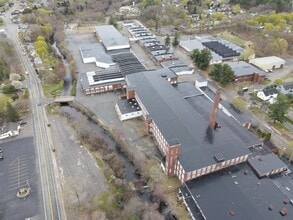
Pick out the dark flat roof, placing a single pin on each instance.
(221, 49)
(178, 119)
(264, 164)
(128, 106)
(288, 86)
(242, 68)
(240, 116)
(239, 190)
(128, 63)
(271, 91)
(173, 63)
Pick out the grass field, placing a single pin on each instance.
(232, 38)
(52, 90)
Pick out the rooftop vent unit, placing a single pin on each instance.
(232, 212)
(219, 158)
(284, 211)
(270, 207)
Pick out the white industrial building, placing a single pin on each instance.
(95, 53)
(268, 63)
(128, 109)
(111, 38)
(221, 50)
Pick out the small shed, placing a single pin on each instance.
(127, 109)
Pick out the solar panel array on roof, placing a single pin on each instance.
(157, 47)
(128, 63)
(107, 76)
(221, 49)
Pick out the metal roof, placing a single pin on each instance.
(97, 51)
(187, 121)
(266, 60)
(237, 190)
(111, 37)
(173, 63)
(195, 43)
(242, 68)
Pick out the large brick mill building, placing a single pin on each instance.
(193, 141)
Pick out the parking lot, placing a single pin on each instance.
(17, 170)
(18, 173)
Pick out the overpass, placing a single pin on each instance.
(64, 99)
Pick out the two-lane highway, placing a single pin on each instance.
(51, 193)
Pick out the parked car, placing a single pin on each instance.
(22, 122)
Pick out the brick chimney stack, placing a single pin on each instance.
(213, 116)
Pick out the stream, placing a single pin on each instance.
(73, 114)
(68, 77)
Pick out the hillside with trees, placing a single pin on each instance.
(13, 99)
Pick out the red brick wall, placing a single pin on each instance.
(172, 153)
(130, 94)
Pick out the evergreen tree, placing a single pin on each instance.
(11, 113)
(167, 41)
(222, 73)
(278, 109)
(201, 58)
(176, 39)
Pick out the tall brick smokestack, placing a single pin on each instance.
(213, 116)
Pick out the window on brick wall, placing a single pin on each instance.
(208, 169)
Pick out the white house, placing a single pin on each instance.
(268, 95)
(286, 89)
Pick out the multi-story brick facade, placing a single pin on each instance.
(176, 127)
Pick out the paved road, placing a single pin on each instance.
(50, 197)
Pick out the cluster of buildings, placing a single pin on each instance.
(224, 51)
(270, 94)
(225, 170)
(157, 51)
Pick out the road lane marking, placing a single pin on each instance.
(45, 164)
(18, 173)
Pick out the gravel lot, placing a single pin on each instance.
(103, 104)
(81, 179)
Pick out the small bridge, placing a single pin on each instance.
(64, 99)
